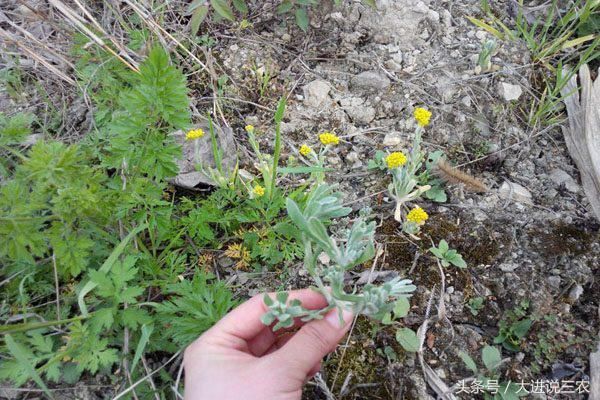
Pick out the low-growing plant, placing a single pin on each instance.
(475, 305)
(429, 177)
(487, 380)
(193, 306)
(514, 326)
(321, 206)
(484, 62)
(447, 256)
(87, 235)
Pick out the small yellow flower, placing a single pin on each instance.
(422, 116)
(417, 215)
(329, 138)
(395, 160)
(258, 191)
(305, 150)
(249, 128)
(194, 134)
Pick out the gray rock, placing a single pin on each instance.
(316, 93)
(510, 92)
(357, 110)
(516, 192)
(392, 139)
(554, 281)
(575, 293)
(361, 114)
(370, 80)
(199, 151)
(560, 177)
(508, 267)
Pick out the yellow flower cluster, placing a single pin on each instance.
(249, 128)
(395, 160)
(258, 191)
(194, 134)
(328, 138)
(422, 116)
(417, 215)
(305, 150)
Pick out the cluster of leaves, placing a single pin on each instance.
(447, 256)
(321, 206)
(513, 327)
(256, 223)
(87, 236)
(488, 377)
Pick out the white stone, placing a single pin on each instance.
(508, 267)
(560, 177)
(516, 192)
(316, 93)
(352, 156)
(392, 139)
(510, 92)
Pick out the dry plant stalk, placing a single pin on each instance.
(583, 134)
(453, 175)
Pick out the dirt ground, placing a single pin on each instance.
(531, 243)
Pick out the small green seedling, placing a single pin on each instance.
(475, 305)
(447, 256)
(488, 379)
(514, 327)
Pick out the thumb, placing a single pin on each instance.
(314, 341)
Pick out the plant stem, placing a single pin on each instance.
(277, 150)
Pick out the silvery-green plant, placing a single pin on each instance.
(404, 170)
(484, 62)
(355, 248)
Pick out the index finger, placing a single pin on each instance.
(244, 321)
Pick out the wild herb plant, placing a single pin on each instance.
(321, 207)
(316, 160)
(487, 379)
(447, 256)
(87, 235)
(484, 62)
(13, 132)
(410, 181)
(437, 192)
(514, 326)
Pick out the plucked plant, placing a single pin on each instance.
(323, 205)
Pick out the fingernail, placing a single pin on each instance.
(333, 318)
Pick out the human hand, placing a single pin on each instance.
(240, 358)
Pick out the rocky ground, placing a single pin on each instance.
(531, 244)
(529, 241)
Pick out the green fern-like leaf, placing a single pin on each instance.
(194, 307)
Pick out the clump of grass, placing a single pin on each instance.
(560, 42)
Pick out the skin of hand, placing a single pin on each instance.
(240, 358)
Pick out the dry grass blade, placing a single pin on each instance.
(78, 22)
(57, 56)
(159, 31)
(432, 379)
(35, 56)
(148, 376)
(583, 134)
